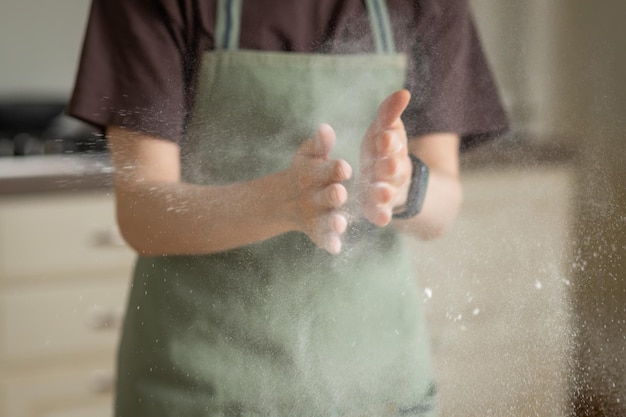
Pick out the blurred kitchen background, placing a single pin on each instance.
(526, 296)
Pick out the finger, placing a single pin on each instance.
(340, 170)
(378, 215)
(329, 230)
(338, 225)
(377, 207)
(332, 196)
(382, 217)
(380, 193)
(387, 169)
(389, 144)
(333, 244)
(327, 173)
(392, 107)
(333, 171)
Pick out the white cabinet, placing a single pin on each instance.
(496, 299)
(79, 391)
(64, 275)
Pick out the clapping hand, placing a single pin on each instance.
(316, 190)
(385, 168)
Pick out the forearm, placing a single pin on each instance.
(159, 214)
(159, 218)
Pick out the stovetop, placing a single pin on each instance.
(41, 127)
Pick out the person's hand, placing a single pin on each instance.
(316, 191)
(385, 168)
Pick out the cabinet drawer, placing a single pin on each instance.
(83, 392)
(60, 234)
(38, 323)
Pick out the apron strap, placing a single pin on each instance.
(228, 25)
(381, 26)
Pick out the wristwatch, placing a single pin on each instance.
(417, 190)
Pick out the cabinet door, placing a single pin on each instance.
(42, 236)
(42, 323)
(82, 392)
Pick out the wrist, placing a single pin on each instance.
(275, 206)
(416, 190)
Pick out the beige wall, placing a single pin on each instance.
(519, 40)
(562, 67)
(39, 45)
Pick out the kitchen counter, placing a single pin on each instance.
(499, 322)
(519, 152)
(53, 173)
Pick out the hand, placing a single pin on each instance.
(314, 187)
(385, 165)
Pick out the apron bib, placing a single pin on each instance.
(279, 328)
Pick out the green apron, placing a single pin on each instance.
(279, 328)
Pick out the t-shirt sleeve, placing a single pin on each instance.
(132, 67)
(452, 86)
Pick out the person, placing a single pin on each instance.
(271, 160)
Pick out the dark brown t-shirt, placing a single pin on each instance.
(140, 59)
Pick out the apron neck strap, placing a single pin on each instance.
(381, 26)
(228, 25)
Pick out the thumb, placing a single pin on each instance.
(391, 108)
(320, 145)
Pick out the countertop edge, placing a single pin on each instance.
(55, 173)
(92, 172)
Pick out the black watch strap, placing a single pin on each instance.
(417, 190)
